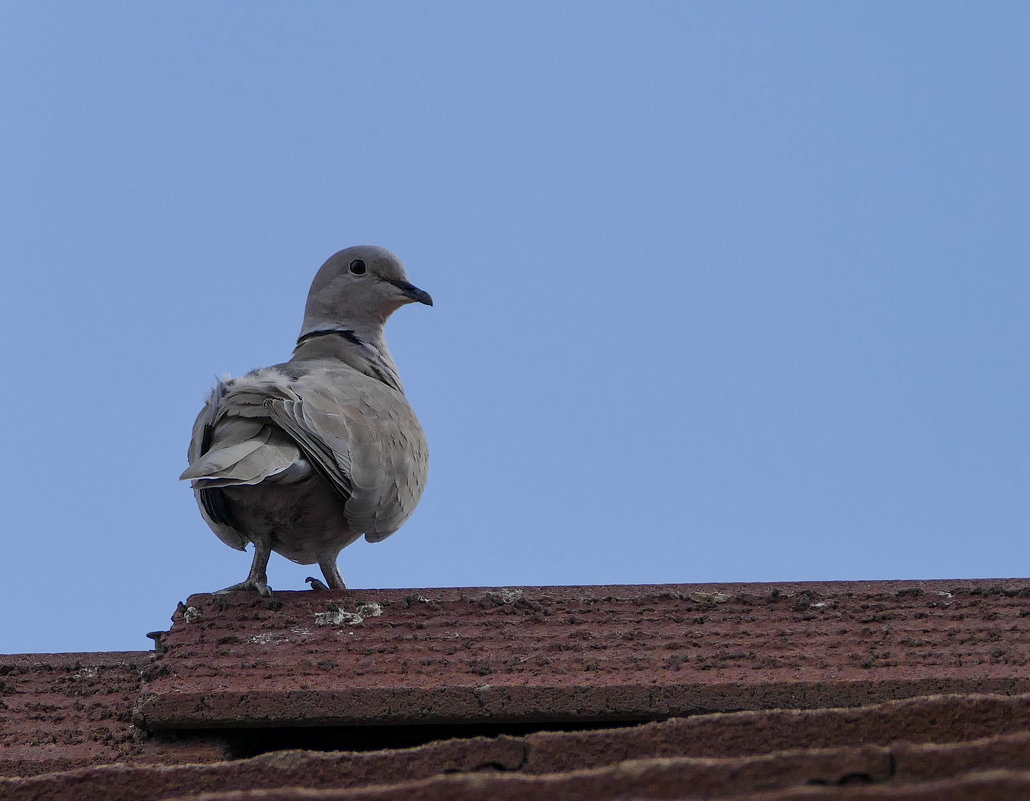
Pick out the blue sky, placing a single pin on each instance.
(724, 292)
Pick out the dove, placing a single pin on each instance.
(305, 457)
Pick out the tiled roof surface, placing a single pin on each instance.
(63, 711)
(817, 690)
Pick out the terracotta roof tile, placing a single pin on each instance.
(577, 654)
(921, 738)
(651, 778)
(780, 777)
(283, 768)
(62, 711)
(939, 719)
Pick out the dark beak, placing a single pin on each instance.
(413, 292)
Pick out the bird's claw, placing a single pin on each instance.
(250, 585)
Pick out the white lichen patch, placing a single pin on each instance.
(334, 616)
(191, 614)
(708, 597)
(370, 609)
(266, 638)
(506, 595)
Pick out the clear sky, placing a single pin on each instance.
(724, 291)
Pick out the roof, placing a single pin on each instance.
(808, 690)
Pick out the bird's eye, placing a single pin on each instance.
(357, 267)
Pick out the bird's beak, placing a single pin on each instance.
(413, 292)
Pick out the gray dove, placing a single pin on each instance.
(304, 457)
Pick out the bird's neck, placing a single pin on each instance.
(365, 351)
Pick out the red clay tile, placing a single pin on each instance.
(920, 721)
(280, 769)
(923, 762)
(702, 739)
(665, 780)
(933, 719)
(62, 711)
(656, 778)
(577, 654)
(998, 785)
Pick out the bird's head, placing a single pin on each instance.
(358, 289)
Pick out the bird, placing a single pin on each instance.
(304, 457)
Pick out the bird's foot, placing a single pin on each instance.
(260, 585)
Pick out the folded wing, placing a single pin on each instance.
(358, 433)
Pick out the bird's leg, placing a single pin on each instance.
(257, 579)
(327, 562)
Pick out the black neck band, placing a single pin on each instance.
(347, 334)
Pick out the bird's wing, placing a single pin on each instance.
(238, 445)
(364, 437)
(235, 443)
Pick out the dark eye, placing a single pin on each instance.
(357, 267)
